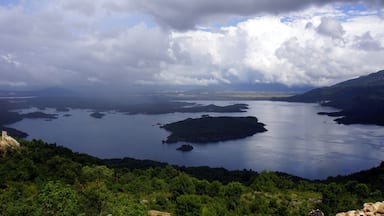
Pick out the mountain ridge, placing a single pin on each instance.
(361, 100)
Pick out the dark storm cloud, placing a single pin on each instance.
(186, 14)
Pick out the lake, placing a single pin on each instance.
(298, 141)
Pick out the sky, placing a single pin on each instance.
(177, 43)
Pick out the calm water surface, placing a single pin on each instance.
(298, 141)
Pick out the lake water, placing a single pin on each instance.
(298, 141)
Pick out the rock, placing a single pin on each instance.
(379, 207)
(7, 141)
(316, 212)
(369, 209)
(158, 213)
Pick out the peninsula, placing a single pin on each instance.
(360, 100)
(212, 129)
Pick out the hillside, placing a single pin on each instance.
(361, 100)
(45, 179)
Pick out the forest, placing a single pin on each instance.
(47, 179)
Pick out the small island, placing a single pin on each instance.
(97, 115)
(185, 148)
(62, 109)
(212, 129)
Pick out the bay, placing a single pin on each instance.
(298, 141)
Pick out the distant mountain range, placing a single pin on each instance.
(47, 92)
(361, 100)
(147, 91)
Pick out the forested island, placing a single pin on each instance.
(213, 129)
(46, 179)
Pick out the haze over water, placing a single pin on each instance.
(298, 141)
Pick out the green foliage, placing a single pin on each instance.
(97, 173)
(18, 199)
(41, 179)
(182, 184)
(271, 182)
(95, 198)
(188, 205)
(124, 204)
(57, 199)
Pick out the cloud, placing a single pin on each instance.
(116, 44)
(83, 7)
(10, 59)
(186, 14)
(330, 27)
(267, 49)
(367, 42)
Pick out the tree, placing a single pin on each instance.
(97, 173)
(232, 193)
(214, 188)
(182, 184)
(123, 204)
(188, 205)
(18, 199)
(57, 199)
(95, 198)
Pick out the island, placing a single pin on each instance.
(10, 107)
(212, 129)
(97, 115)
(185, 148)
(62, 109)
(36, 115)
(182, 107)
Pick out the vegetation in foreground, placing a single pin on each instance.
(43, 179)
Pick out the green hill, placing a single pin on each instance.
(45, 179)
(361, 100)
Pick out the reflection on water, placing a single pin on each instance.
(298, 141)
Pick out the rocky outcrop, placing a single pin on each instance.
(370, 209)
(7, 141)
(158, 213)
(316, 212)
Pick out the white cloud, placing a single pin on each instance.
(266, 49)
(10, 59)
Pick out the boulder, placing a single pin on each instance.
(316, 212)
(369, 209)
